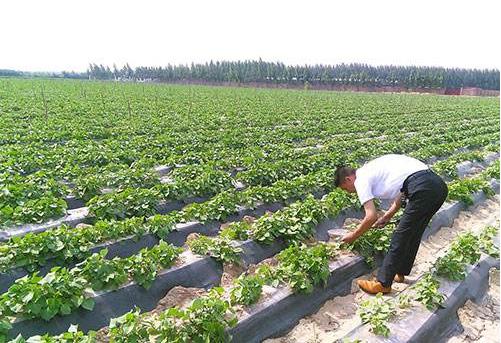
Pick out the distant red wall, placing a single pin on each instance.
(452, 91)
(474, 91)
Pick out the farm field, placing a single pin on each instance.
(121, 203)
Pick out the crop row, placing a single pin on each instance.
(189, 181)
(296, 222)
(293, 224)
(50, 161)
(67, 244)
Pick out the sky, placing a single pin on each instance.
(61, 35)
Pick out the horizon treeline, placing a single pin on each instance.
(353, 74)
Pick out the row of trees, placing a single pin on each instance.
(277, 72)
(354, 74)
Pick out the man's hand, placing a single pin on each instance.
(349, 238)
(385, 218)
(366, 223)
(381, 222)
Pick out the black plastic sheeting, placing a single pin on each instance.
(284, 309)
(78, 214)
(72, 218)
(73, 202)
(202, 273)
(130, 245)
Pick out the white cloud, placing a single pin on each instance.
(67, 35)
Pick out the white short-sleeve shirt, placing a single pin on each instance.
(384, 176)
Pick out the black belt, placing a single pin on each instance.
(413, 176)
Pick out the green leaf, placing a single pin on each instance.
(88, 304)
(28, 297)
(65, 309)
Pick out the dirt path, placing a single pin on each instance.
(337, 317)
(481, 321)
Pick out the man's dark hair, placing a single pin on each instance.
(341, 173)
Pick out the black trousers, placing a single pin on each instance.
(426, 192)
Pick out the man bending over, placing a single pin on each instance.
(394, 177)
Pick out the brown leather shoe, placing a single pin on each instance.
(399, 278)
(373, 287)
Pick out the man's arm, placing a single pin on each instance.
(390, 212)
(369, 220)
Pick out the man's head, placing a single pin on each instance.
(344, 178)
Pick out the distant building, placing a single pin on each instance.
(473, 91)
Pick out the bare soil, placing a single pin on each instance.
(178, 296)
(480, 322)
(230, 273)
